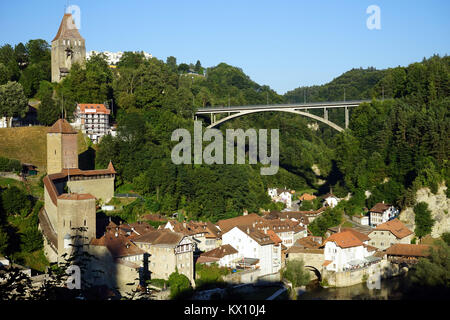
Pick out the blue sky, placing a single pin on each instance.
(284, 44)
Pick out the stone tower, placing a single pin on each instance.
(68, 47)
(62, 147)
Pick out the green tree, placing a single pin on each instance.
(13, 101)
(15, 201)
(423, 219)
(48, 112)
(296, 273)
(180, 286)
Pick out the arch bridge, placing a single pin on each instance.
(300, 109)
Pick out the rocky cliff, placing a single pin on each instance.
(438, 204)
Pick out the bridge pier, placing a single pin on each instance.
(346, 117)
(325, 114)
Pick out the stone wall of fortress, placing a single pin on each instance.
(349, 278)
(101, 188)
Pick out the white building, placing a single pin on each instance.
(281, 195)
(381, 213)
(330, 200)
(114, 57)
(93, 120)
(252, 244)
(347, 250)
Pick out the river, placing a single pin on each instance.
(391, 289)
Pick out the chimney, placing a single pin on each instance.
(248, 230)
(116, 234)
(245, 212)
(184, 224)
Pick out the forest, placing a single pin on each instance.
(396, 143)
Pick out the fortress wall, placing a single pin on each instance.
(100, 188)
(51, 209)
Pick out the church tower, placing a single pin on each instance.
(62, 147)
(68, 47)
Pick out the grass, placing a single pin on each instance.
(125, 188)
(29, 144)
(347, 224)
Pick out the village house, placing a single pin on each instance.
(347, 250)
(362, 218)
(390, 233)
(224, 256)
(204, 235)
(281, 195)
(381, 213)
(168, 251)
(263, 250)
(330, 200)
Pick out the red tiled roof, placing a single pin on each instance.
(62, 126)
(397, 228)
(67, 29)
(220, 252)
(119, 246)
(93, 108)
(228, 224)
(261, 238)
(380, 207)
(308, 243)
(345, 239)
(411, 250)
(307, 197)
(160, 237)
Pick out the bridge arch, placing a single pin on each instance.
(316, 272)
(306, 114)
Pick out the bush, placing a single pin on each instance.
(210, 275)
(10, 165)
(180, 286)
(296, 273)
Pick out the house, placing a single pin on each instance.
(281, 195)
(204, 235)
(381, 213)
(362, 219)
(224, 256)
(330, 200)
(307, 197)
(390, 233)
(347, 250)
(169, 251)
(92, 120)
(256, 249)
(118, 261)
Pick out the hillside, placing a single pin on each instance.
(29, 144)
